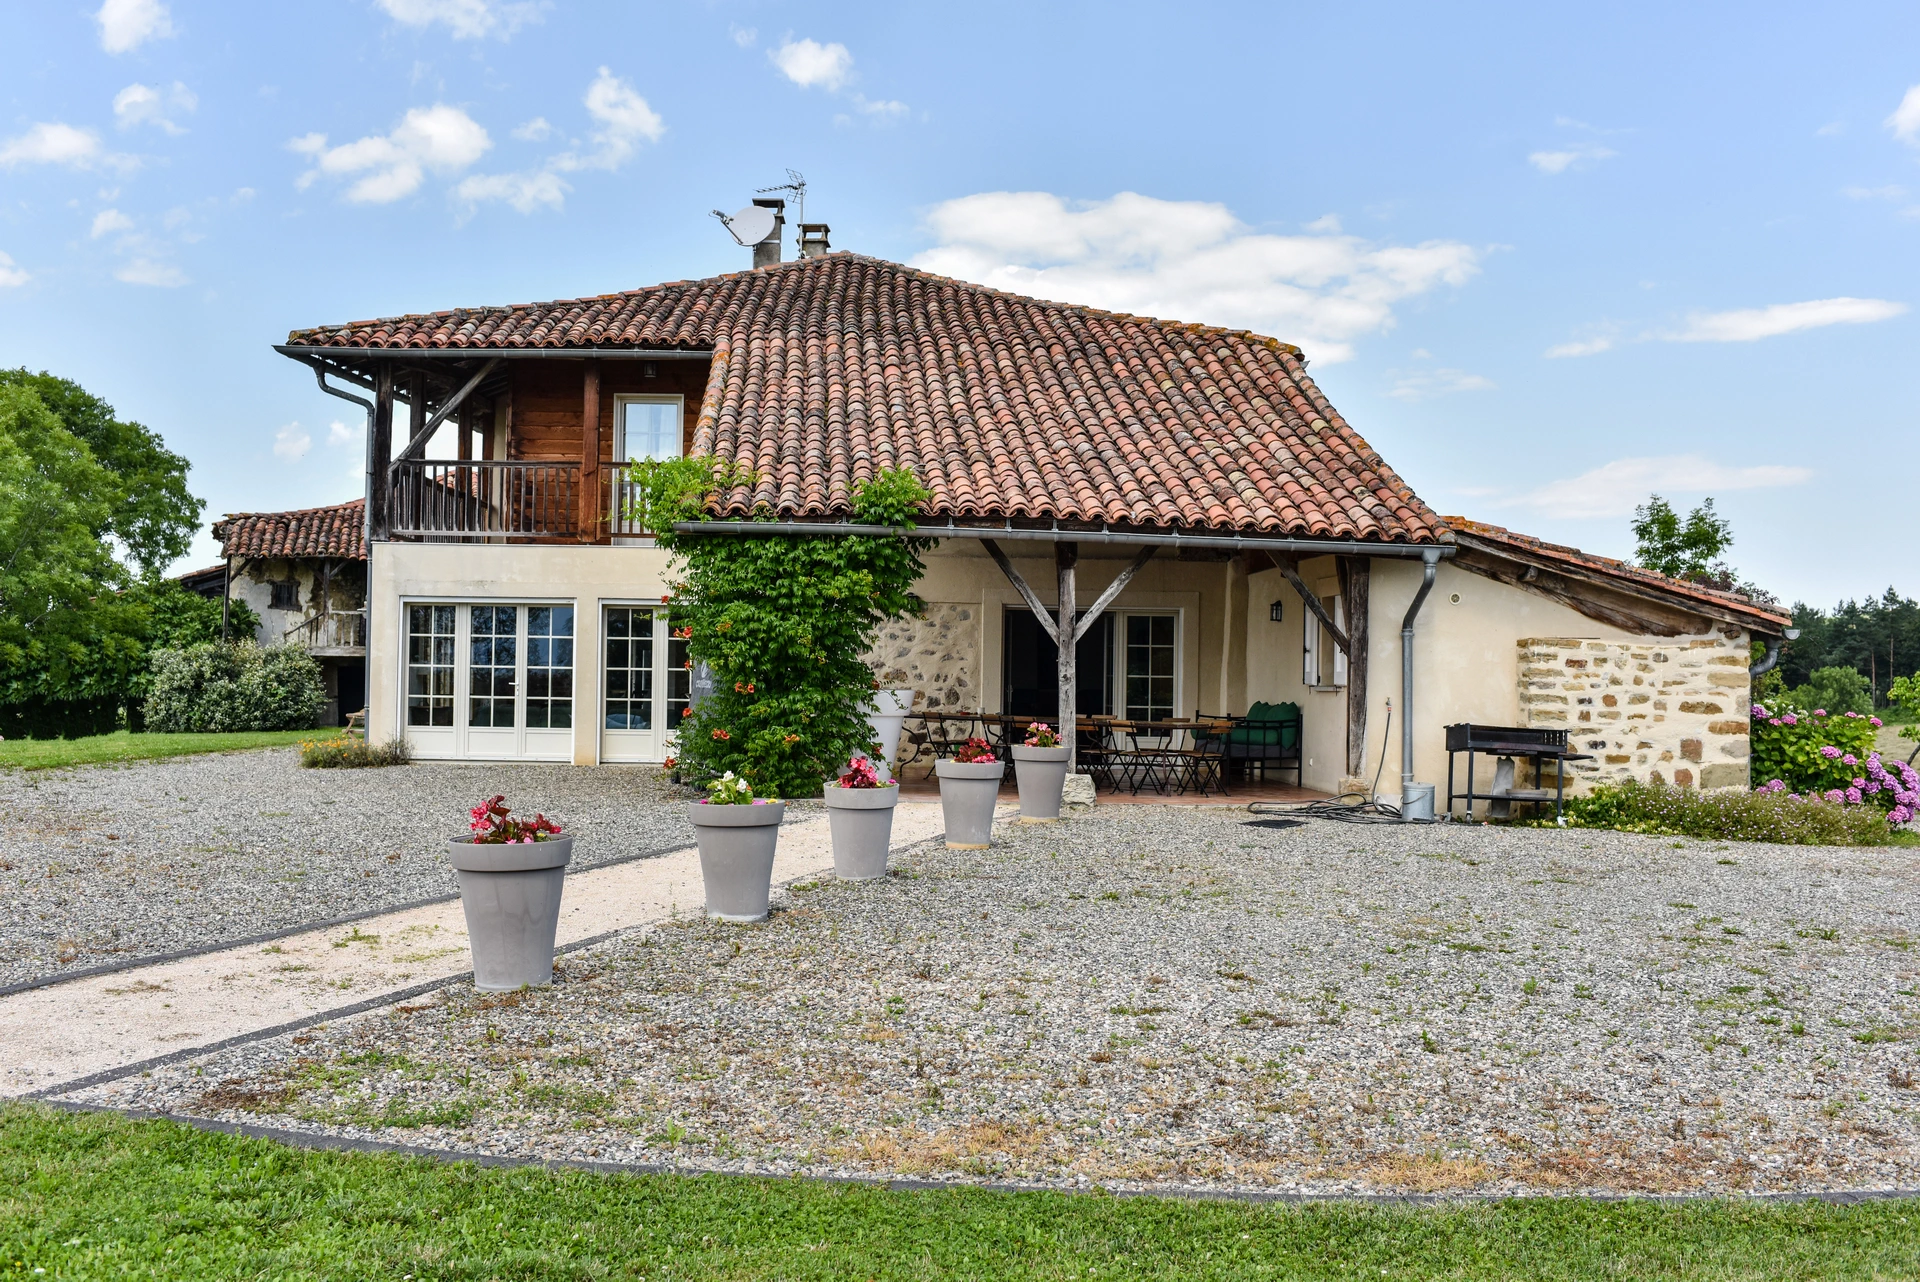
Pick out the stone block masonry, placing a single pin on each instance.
(1657, 710)
(934, 653)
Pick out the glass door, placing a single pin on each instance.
(490, 681)
(645, 682)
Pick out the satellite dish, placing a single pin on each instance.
(751, 225)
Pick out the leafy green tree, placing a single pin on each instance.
(155, 517)
(785, 624)
(1837, 690)
(1680, 549)
(178, 618)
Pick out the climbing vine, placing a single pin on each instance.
(784, 622)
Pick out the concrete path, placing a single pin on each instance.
(106, 1023)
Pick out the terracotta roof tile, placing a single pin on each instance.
(338, 531)
(826, 370)
(1770, 619)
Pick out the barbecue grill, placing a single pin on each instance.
(1509, 742)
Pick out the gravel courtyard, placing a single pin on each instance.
(109, 863)
(1160, 995)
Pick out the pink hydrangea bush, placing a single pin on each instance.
(1814, 754)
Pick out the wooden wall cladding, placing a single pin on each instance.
(547, 401)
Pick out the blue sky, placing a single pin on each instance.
(1547, 259)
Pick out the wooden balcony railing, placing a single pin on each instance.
(339, 630)
(435, 499)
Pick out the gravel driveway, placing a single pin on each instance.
(1149, 995)
(106, 863)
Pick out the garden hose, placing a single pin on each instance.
(1363, 810)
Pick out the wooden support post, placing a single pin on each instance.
(1065, 557)
(226, 597)
(380, 455)
(1356, 574)
(590, 453)
(464, 430)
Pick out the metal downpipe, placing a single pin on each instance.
(1430, 561)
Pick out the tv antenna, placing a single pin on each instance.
(795, 185)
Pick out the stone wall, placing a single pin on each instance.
(1673, 711)
(937, 654)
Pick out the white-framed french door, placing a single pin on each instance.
(489, 680)
(644, 683)
(1146, 664)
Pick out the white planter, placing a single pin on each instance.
(1041, 774)
(736, 856)
(861, 820)
(511, 896)
(889, 715)
(969, 792)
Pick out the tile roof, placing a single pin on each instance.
(1769, 619)
(337, 531)
(826, 370)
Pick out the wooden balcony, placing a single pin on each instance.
(337, 633)
(508, 501)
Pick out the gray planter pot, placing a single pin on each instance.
(736, 856)
(969, 791)
(1041, 774)
(889, 712)
(511, 895)
(861, 820)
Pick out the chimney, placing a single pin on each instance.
(767, 252)
(813, 240)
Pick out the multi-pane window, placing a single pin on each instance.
(549, 667)
(430, 665)
(1149, 666)
(1326, 663)
(491, 668)
(629, 668)
(679, 681)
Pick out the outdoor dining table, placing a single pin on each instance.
(1161, 754)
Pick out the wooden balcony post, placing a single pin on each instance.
(590, 513)
(380, 455)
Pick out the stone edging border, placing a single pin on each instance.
(1180, 1192)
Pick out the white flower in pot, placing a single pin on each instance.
(1040, 767)
(511, 872)
(737, 833)
(969, 792)
(860, 815)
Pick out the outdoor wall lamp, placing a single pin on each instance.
(1275, 611)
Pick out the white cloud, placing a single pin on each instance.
(1615, 488)
(1905, 120)
(145, 271)
(339, 434)
(1579, 156)
(535, 130)
(810, 64)
(623, 120)
(1424, 384)
(526, 192)
(108, 221)
(128, 24)
(292, 443)
(1893, 191)
(465, 19)
(1581, 347)
(49, 143)
(139, 105)
(1745, 325)
(11, 276)
(439, 138)
(887, 110)
(743, 36)
(1189, 260)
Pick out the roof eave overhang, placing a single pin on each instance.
(306, 351)
(1280, 545)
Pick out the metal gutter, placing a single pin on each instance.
(302, 351)
(1061, 534)
(1432, 560)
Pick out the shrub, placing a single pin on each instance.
(1809, 751)
(345, 753)
(785, 623)
(219, 688)
(1727, 814)
(1836, 690)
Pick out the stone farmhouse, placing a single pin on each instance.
(1261, 550)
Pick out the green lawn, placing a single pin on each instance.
(98, 1196)
(103, 749)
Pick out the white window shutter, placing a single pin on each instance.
(1310, 649)
(1339, 613)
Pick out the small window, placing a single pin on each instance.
(1326, 662)
(430, 640)
(646, 427)
(286, 595)
(1149, 666)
